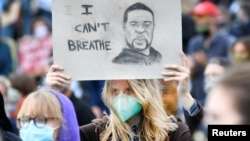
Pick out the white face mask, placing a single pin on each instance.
(41, 31)
(210, 81)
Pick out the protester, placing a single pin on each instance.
(215, 68)
(35, 48)
(48, 115)
(94, 91)
(5, 59)
(226, 103)
(241, 50)
(136, 109)
(170, 97)
(241, 25)
(9, 16)
(25, 84)
(6, 129)
(209, 42)
(10, 97)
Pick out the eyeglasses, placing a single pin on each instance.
(40, 122)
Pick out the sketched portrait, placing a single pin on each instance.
(138, 25)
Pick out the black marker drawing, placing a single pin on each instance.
(86, 8)
(126, 39)
(138, 24)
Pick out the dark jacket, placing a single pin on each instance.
(83, 112)
(219, 47)
(6, 130)
(8, 136)
(90, 132)
(194, 121)
(133, 56)
(5, 60)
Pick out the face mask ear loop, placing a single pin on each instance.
(57, 127)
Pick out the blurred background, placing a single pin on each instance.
(215, 34)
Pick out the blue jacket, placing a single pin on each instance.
(219, 47)
(5, 60)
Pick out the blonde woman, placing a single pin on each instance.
(47, 115)
(136, 109)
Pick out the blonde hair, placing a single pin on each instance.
(41, 103)
(156, 124)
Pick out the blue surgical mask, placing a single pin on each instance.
(37, 134)
(126, 106)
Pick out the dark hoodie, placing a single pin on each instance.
(6, 131)
(133, 56)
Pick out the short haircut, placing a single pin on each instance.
(24, 83)
(41, 103)
(136, 6)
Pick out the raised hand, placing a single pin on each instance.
(181, 75)
(55, 79)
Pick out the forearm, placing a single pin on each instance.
(12, 15)
(187, 101)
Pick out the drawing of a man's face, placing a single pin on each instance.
(139, 29)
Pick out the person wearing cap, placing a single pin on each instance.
(207, 44)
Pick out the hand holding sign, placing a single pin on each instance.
(109, 40)
(56, 79)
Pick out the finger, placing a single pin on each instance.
(56, 83)
(171, 74)
(51, 81)
(177, 68)
(60, 75)
(55, 68)
(60, 80)
(173, 79)
(184, 59)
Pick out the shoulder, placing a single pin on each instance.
(153, 50)
(182, 133)
(127, 56)
(4, 47)
(195, 42)
(88, 132)
(8, 136)
(197, 38)
(92, 130)
(2, 43)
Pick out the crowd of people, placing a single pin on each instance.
(39, 102)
